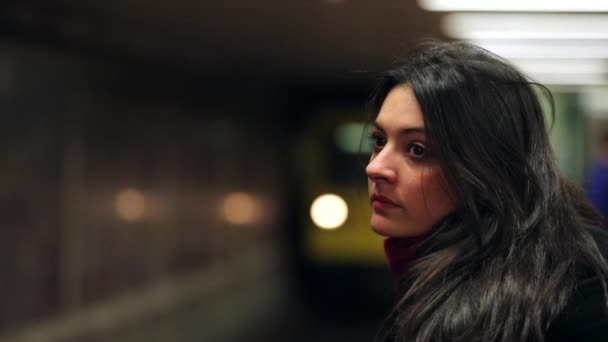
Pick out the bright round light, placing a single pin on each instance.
(329, 211)
(240, 208)
(130, 205)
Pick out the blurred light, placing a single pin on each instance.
(552, 49)
(350, 138)
(516, 5)
(329, 211)
(239, 208)
(525, 26)
(561, 66)
(130, 205)
(564, 71)
(595, 101)
(570, 79)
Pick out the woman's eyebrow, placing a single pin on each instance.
(403, 131)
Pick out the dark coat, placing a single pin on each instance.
(585, 318)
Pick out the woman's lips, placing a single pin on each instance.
(381, 202)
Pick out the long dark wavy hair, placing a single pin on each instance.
(505, 263)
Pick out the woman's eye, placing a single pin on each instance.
(417, 150)
(378, 141)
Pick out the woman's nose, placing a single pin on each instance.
(379, 169)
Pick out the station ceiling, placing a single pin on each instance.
(265, 38)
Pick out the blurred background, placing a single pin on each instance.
(193, 171)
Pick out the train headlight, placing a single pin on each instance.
(329, 211)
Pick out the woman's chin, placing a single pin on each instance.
(384, 229)
(389, 223)
(388, 228)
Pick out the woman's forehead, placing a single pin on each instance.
(400, 111)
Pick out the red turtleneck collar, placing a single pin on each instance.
(401, 252)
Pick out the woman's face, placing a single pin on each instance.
(408, 191)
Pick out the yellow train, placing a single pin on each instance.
(333, 151)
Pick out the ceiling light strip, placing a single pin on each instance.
(515, 5)
(525, 26)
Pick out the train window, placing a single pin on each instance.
(348, 153)
(351, 138)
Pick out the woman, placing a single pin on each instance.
(489, 242)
